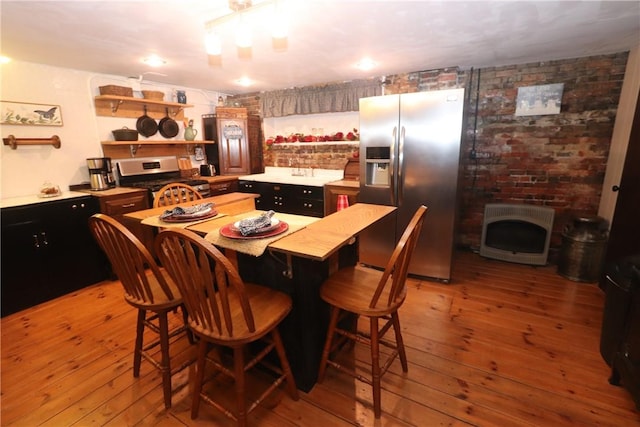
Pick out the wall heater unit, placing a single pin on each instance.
(516, 233)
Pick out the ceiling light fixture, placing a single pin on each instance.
(154, 61)
(240, 10)
(366, 64)
(244, 81)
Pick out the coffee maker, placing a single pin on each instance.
(100, 173)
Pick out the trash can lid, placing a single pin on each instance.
(626, 272)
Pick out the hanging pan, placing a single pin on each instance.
(168, 127)
(146, 125)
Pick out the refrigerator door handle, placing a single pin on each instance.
(401, 167)
(392, 161)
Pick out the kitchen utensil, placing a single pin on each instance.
(146, 125)
(167, 126)
(207, 170)
(125, 134)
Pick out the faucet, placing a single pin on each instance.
(295, 168)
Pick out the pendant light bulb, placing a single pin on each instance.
(213, 44)
(243, 34)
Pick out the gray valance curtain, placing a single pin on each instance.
(330, 98)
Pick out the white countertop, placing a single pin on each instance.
(32, 199)
(308, 176)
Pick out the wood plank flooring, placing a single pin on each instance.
(502, 345)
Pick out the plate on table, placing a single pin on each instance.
(208, 213)
(231, 231)
(275, 223)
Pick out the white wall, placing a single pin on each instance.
(24, 170)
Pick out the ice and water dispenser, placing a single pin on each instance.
(378, 166)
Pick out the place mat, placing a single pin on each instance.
(155, 221)
(256, 247)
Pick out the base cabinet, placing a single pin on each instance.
(117, 205)
(351, 189)
(286, 198)
(48, 251)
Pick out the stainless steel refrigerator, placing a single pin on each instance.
(409, 155)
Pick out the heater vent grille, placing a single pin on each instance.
(517, 233)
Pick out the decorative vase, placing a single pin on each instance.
(181, 96)
(190, 133)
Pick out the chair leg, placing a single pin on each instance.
(333, 322)
(137, 350)
(375, 366)
(165, 361)
(238, 370)
(284, 363)
(199, 378)
(399, 341)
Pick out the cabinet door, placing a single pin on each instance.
(331, 194)
(233, 149)
(22, 258)
(265, 190)
(75, 259)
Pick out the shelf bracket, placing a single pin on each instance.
(177, 111)
(115, 105)
(133, 149)
(13, 142)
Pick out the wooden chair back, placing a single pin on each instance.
(211, 287)
(395, 273)
(130, 260)
(174, 193)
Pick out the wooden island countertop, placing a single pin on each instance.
(228, 204)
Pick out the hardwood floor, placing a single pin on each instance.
(503, 344)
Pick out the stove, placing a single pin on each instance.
(153, 173)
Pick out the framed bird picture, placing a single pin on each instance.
(22, 113)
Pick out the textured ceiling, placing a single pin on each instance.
(326, 38)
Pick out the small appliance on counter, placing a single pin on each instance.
(207, 170)
(100, 173)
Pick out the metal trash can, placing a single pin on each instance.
(583, 248)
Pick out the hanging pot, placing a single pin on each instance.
(168, 127)
(146, 125)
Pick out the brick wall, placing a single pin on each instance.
(557, 161)
(554, 160)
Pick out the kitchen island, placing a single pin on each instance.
(296, 264)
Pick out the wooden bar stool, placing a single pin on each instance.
(148, 288)
(174, 193)
(377, 295)
(225, 311)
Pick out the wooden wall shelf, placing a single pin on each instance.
(125, 106)
(14, 142)
(135, 145)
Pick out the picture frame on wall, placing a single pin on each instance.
(539, 100)
(24, 113)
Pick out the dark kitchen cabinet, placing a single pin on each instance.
(48, 251)
(286, 198)
(264, 189)
(239, 141)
